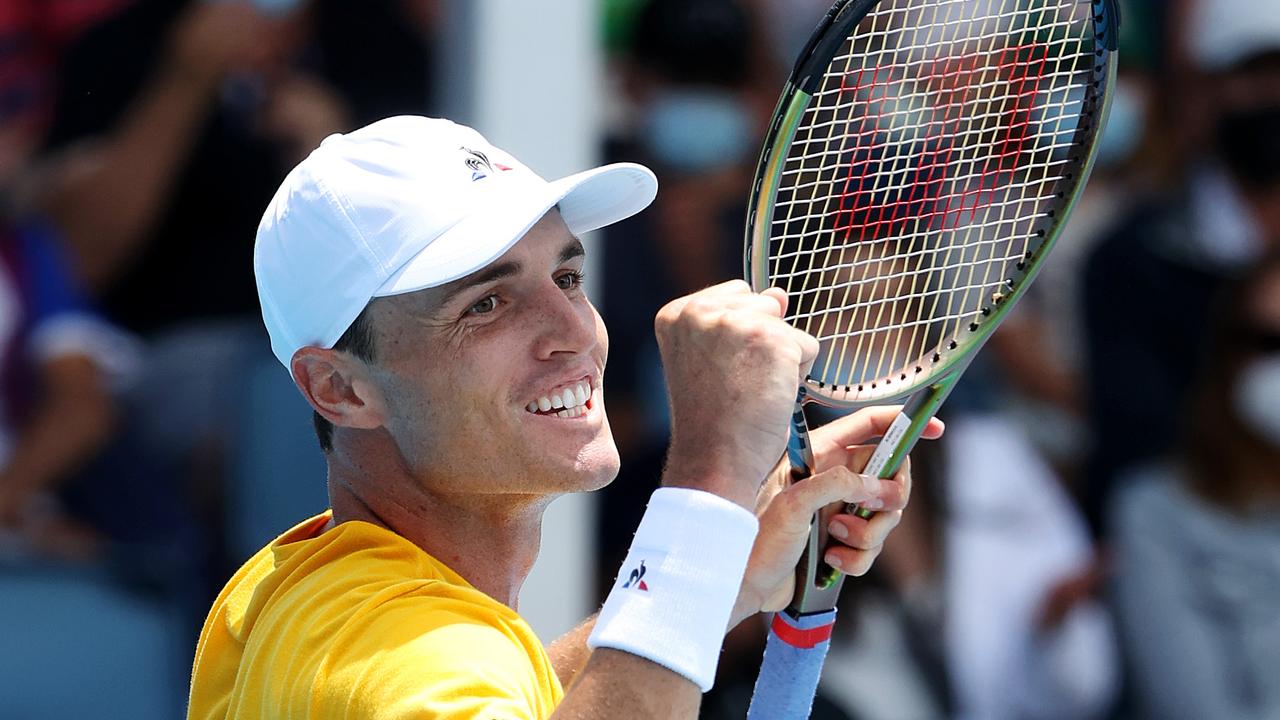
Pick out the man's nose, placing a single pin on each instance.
(567, 325)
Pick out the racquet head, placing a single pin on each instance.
(922, 161)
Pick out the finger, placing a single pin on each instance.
(797, 504)
(809, 348)
(717, 305)
(860, 533)
(897, 490)
(903, 478)
(850, 561)
(713, 304)
(732, 287)
(873, 422)
(934, 429)
(861, 426)
(780, 296)
(729, 287)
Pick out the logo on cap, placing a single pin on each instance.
(637, 579)
(480, 165)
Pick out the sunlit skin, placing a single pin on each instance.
(437, 426)
(434, 440)
(459, 365)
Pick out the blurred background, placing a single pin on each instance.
(1098, 535)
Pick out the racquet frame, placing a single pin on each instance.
(817, 584)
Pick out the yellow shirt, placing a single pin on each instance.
(358, 622)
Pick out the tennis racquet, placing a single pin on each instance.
(922, 160)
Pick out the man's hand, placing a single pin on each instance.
(214, 38)
(786, 509)
(733, 367)
(302, 111)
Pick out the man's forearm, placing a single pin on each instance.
(615, 685)
(72, 422)
(569, 653)
(104, 196)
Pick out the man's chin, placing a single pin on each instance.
(597, 467)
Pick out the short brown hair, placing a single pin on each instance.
(357, 340)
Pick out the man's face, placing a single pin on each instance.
(461, 366)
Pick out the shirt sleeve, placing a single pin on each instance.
(61, 321)
(48, 276)
(405, 663)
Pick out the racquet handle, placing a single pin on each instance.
(799, 454)
(793, 658)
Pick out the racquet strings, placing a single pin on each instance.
(925, 169)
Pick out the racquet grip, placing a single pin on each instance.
(793, 658)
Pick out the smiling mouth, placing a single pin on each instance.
(569, 401)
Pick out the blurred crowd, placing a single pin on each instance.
(1097, 536)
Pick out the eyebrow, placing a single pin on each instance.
(501, 271)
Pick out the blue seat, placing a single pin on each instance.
(74, 644)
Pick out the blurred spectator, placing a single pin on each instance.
(57, 411)
(1026, 636)
(687, 77)
(33, 34)
(172, 149)
(1148, 284)
(161, 160)
(985, 603)
(62, 492)
(1197, 539)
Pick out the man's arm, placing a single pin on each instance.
(784, 525)
(105, 193)
(569, 653)
(72, 421)
(733, 367)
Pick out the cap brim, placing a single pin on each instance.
(587, 200)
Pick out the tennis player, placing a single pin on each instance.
(425, 291)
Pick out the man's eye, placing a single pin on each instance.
(569, 280)
(487, 305)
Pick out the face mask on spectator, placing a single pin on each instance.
(1125, 124)
(1249, 140)
(697, 130)
(1257, 397)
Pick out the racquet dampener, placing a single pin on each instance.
(922, 160)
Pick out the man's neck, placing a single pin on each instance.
(490, 540)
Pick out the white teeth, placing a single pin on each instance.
(571, 401)
(572, 412)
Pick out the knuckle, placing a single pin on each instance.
(790, 504)
(885, 523)
(668, 313)
(701, 305)
(862, 564)
(896, 497)
(862, 537)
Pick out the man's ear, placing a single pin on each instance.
(338, 387)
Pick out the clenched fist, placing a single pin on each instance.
(733, 367)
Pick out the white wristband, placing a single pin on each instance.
(671, 602)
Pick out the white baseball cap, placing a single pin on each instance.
(405, 204)
(1226, 32)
